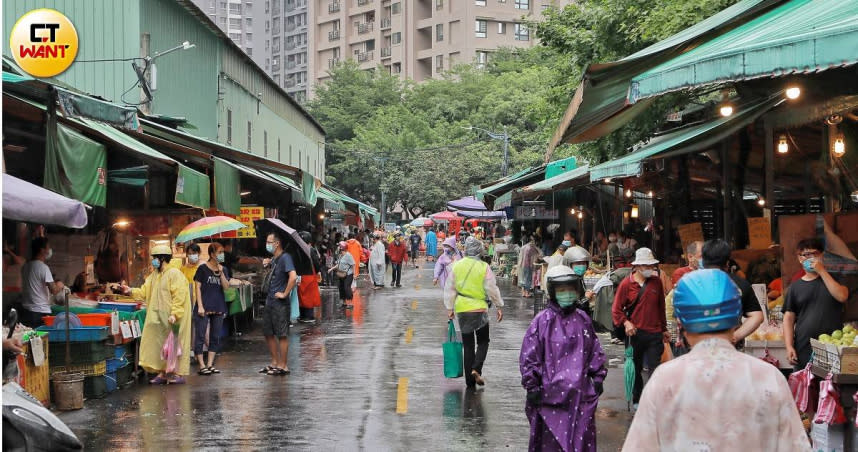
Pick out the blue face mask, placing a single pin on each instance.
(579, 269)
(269, 247)
(156, 263)
(220, 257)
(566, 299)
(700, 263)
(808, 265)
(194, 258)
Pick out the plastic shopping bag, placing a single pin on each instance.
(800, 384)
(294, 305)
(453, 355)
(829, 411)
(171, 351)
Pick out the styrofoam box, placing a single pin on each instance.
(777, 349)
(827, 438)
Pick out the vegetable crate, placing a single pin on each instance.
(79, 334)
(835, 359)
(89, 370)
(35, 379)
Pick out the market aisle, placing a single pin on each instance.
(367, 379)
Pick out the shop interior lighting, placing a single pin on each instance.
(121, 224)
(245, 193)
(839, 146)
(321, 216)
(854, 196)
(580, 215)
(635, 211)
(573, 211)
(761, 202)
(726, 109)
(783, 146)
(793, 92)
(628, 193)
(649, 194)
(607, 180)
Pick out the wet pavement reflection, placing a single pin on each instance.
(364, 378)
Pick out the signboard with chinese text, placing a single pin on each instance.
(247, 216)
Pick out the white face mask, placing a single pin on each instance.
(648, 273)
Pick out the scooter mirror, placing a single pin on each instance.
(12, 321)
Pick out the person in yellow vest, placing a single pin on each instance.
(466, 295)
(168, 304)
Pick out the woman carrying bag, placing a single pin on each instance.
(210, 281)
(344, 270)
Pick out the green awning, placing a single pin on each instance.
(503, 201)
(600, 103)
(333, 201)
(76, 105)
(518, 179)
(686, 140)
(297, 193)
(480, 193)
(124, 141)
(269, 177)
(9, 77)
(562, 180)
(801, 36)
(75, 166)
(135, 176)
(308, 183)
(227, 187)
(193, 188)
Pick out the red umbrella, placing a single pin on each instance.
(444, 216)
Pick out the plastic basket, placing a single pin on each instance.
(115, 363)
(824, 358)
(82, 352)
(125, 375)
(110, 381)
(85, 319)
(118, 306)
(89, 370)
(95, 387)
(79, 334)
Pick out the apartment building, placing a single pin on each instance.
(419, 39)
(243, 21)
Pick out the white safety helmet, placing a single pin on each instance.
(576, 254)
(561, 275)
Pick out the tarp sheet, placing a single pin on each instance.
(23, 201)
(193, 188)
(227, 187)
(75, 166)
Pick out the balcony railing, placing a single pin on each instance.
(363, 57)
(365, 27)
(386, 52)
(385, 23)
(290, 6)
(290, 65)
(333, 35)
(290, 83)
(333, 62)
(289, 27)
(290, 46)
(333, 7)
(275, 49)
(363, 2)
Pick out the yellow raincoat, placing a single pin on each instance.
(165, 293)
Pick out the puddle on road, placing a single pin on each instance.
(604, 413)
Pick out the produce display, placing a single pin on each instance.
(777, 302)
(844, 337)
(767, 332)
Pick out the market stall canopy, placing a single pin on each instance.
(801, 36)
(508, 183)
(467, 203)
(23, 201)
(577, 176)
(331, 199)
(483, 215)
(685, 140)
(444, 216)
(600, 104)
(421, 222)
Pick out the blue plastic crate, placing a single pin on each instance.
(79, 334)
(110, 381)
(115, 363)
(122, 351)
(125, 307)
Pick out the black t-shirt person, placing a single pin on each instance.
(816, 312)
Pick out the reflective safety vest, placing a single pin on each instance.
(468, 276)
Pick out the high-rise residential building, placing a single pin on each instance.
(242, 21)
(419, 39)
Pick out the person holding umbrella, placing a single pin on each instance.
(309, 297)
(562, 368)
(277, 312)
(168, 309)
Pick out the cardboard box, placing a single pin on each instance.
(834, 358)
(827, 438)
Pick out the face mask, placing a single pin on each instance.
(808, 265)
(566, 299)
(579, 269)
(612, 239)
(700, 263)
(220, 257)
(156, 263)
(647, 273)
(621, 241)
(194, 258)
(50, 254)
(269, 247)
(448, 251)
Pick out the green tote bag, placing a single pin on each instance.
(453, 367)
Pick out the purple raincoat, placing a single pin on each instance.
(445, 261)
(561, 356)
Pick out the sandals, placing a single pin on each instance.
(204, 371)
(176, 380)
(158, 380)
(266, 369)
(276, 371)
(214, 370)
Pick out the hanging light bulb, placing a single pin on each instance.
(580, 215)
(649, 194)
(761, 202)
(573, 211)
(726, 110)
(839, 146)
(628, 193)
(783, 146)
(635, 211)
(793, 92)
(607, 180)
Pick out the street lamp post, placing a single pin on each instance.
(498, 136)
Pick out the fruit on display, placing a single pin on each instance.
(844, 337)
(767, 332)
(779, 301)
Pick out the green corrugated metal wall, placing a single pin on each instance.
(94, 20)
(187, 79)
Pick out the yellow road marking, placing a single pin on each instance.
(414, 305)
(402, 396)
(417, 287)
(409, 334)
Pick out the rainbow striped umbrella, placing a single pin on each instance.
(207, 227)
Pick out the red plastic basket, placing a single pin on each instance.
(85, 319)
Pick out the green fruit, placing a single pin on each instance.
(848, 329)
(824, 338)
(837, 334)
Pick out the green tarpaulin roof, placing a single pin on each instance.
(558, 180)
(333, 200)
(685, 140)
(600, 103)
(508, 183)
(124, 141)
(800, 36)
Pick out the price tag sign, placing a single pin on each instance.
(126, 330)
(759, 233)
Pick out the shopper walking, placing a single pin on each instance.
(414, 240)
(343, 269)
(398, 255)
(278, 308)
(356, 250)
(376, 263)
(38, 284)
(639, 308)
(210, 280)
(715, 398)
(445, 262)
(562, 369)
(465, 295)
(309, 297)
(694, 256)
(431, 245)
(168, 309)
(527, 256)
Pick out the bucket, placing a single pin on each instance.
(68, 390)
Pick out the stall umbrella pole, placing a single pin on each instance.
(68, 331)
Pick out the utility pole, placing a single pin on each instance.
(498, 136)
(383, 194)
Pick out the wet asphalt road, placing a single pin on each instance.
(368, 378)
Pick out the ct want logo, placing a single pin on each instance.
(44, 42)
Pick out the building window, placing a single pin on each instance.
(522, 33)
(249, 51)
(481, 26)
(278, 149)
(396, 38)
(211, 4)
(439, 63)
(396, 68)
(522, 4)
(235, 8)
(249, 135)
(439, 4)
(248, 22)
(501, 28)
(228, 126)
(222, 21)
(395, 8)
(265, 143)
(480, 2)
(439, 32)
(235, 23)
(266, 44)
(248, 37)
(223, 6)
(482, 58)
(267, 6)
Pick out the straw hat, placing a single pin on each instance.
(161, 250)
(644, 256)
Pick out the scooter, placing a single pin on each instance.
(27, 425)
